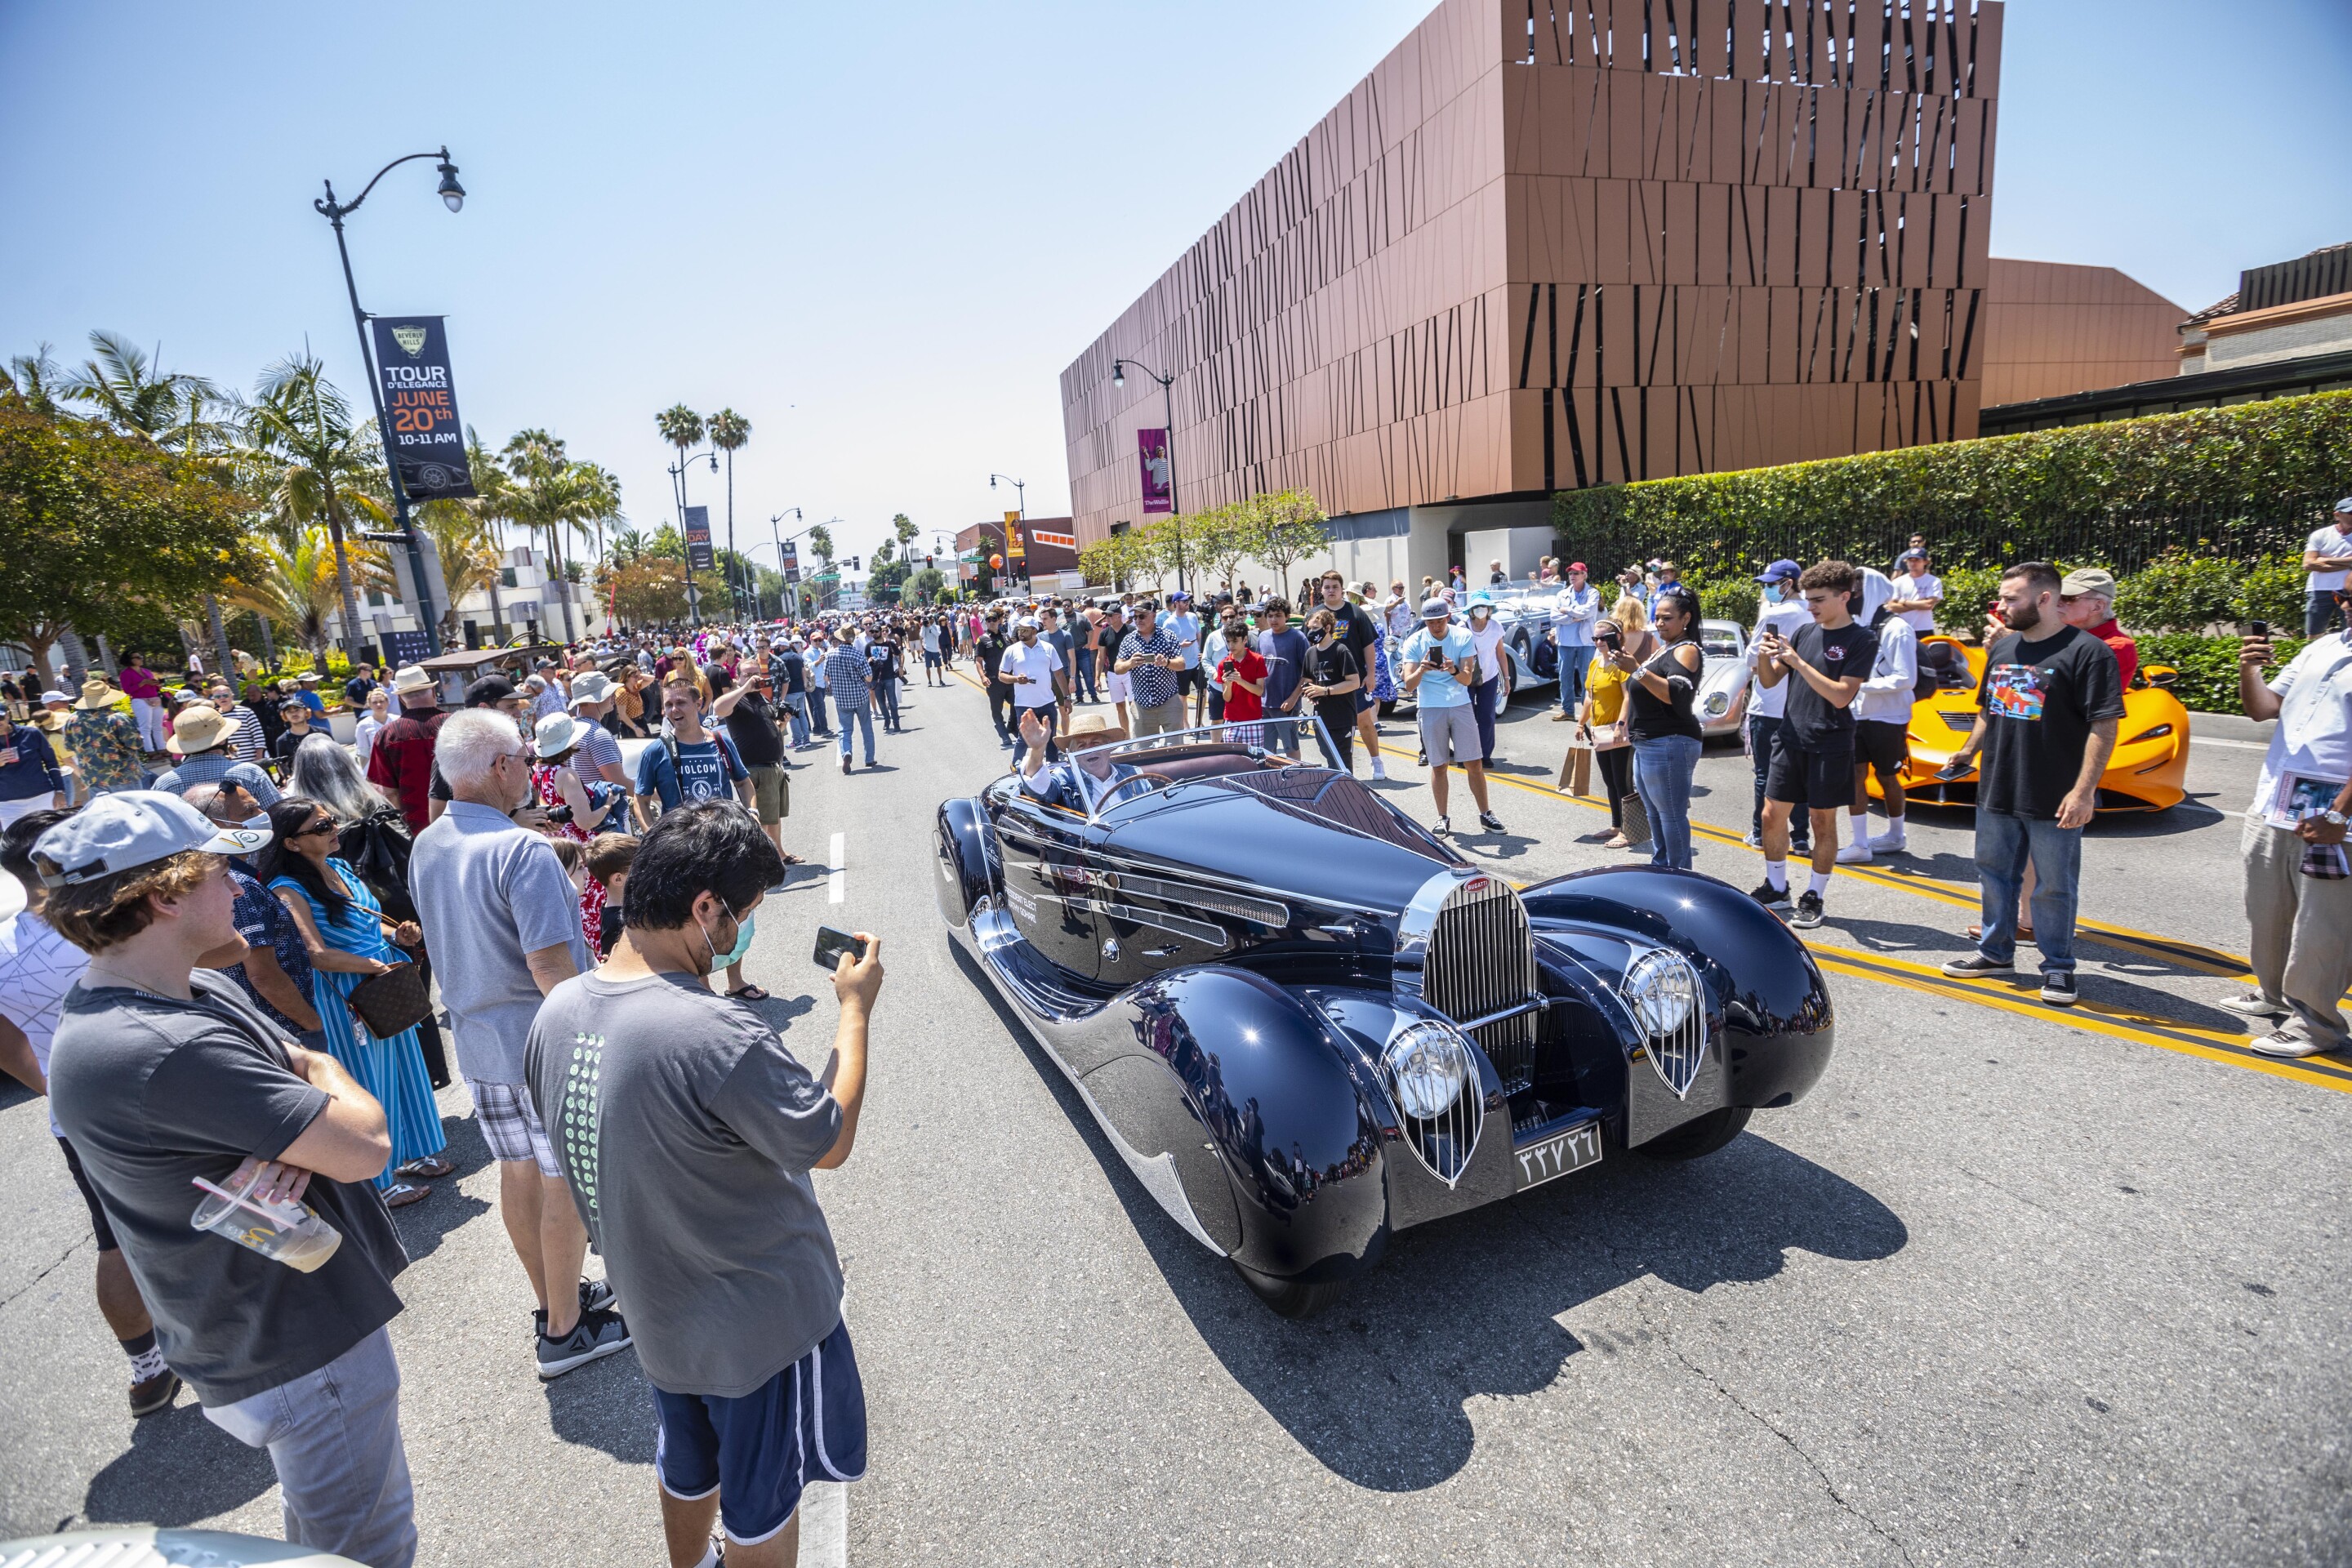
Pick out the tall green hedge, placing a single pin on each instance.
(2241, 484)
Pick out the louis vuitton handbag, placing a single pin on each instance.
(390, 1004)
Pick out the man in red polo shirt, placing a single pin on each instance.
(401, 764)
(2086, 601)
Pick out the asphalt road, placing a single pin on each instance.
(2010, 1287)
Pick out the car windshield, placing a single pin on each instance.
(1719, 639)
(1152, 762)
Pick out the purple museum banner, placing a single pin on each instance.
(1159, 477)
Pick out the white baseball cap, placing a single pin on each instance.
(130, 829)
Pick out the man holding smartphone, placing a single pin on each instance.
(1033, 667)
(688, 1133)
(1441, 665)
(1824, 665)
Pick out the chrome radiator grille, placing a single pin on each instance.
(1481, 959)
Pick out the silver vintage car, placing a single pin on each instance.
(1525, 614)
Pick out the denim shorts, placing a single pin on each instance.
(760, 1450)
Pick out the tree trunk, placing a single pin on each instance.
(107, 660)
(220, 635)
(342, 574)
(555, 577)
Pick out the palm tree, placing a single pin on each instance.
(628, 544)
(313, 463)
(728, 431)
(820, 540)
(36, 378)
(129, 393)
(904, 528)
(550, 492)
(300, 586)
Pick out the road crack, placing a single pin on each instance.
(52, 1268)
(1829, 1487)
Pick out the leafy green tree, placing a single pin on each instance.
(129, 392)
(1283, 528)
(91, 515)
(885, 582)
(927, 586)
(650, 589)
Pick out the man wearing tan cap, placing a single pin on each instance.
(2086, 601)
(200, 739)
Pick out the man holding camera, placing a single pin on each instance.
(2298, 883)
(688, 1132)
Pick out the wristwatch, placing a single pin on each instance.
(2333, 817)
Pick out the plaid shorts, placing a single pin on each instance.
(511, 1125)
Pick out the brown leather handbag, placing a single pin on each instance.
(393, 1002)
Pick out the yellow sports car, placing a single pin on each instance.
(2146, 774)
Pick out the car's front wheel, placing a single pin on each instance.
(1698, 1137)
(1291, 1297)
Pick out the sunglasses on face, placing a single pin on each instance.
(324, 824)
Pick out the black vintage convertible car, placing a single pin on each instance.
(1306, 1023)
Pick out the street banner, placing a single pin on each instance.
(698, 539)
(427, 440)
(792, 558)
(1158, 477)
(1012, 536)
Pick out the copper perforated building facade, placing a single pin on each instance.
(1569, 244)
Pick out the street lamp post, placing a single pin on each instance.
(453, 197)
(677, 473)
(794, 513)
(1168, 405)
(1021, 491)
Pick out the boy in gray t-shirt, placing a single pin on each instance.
(687, 1132)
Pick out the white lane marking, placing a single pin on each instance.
(2195, 740)
(836, 881)
(824, 1525)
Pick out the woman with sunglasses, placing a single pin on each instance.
(345, 931)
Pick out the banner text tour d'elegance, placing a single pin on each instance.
(425, 438)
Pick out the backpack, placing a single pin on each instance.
(377, 848)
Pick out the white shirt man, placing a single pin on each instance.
(1033, 667)
(2327, 561)
(1918, 593)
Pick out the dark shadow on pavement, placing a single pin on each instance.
(179, 1469)
(1375, 1388)
(423, 1224)
(606, 1405)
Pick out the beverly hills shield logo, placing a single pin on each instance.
(411, 339)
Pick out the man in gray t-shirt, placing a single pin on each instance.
(502, 925)
(687, 1132)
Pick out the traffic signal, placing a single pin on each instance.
(853, 564)
(927, 562)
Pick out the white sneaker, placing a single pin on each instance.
(1855, 854)
(2287, 1043)
(1445, 825)
(1889, 844)
(1379, 769)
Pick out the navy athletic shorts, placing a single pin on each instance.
(805, 1424)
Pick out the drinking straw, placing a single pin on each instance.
(276, 1220)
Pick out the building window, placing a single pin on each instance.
(506, 577)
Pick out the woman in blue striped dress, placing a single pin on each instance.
(346, 933)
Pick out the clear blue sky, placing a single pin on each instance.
(880, 231)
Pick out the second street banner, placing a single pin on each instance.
(426, 438)
(698, 539)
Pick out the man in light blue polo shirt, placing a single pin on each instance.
(1573, 616)
(1438, 664)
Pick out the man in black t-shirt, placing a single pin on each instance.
(749, 713)
(2046, 716)
(1812, 764)
(988, 653)
(1357, 633)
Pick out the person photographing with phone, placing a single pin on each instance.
(1824, 665)
(687, 1132)
(1441, 665)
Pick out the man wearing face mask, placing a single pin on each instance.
(502, 927)
(689, 1132)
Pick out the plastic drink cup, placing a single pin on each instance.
(291, 1232)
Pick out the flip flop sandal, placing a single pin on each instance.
(750, 994)
(400, 1194)
(791, 859)
(430, 1168)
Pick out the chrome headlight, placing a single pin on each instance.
(1433, 1080)
(1716, 704)
(1427, 1066)
(1661, 990)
